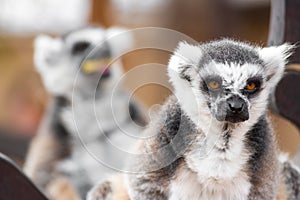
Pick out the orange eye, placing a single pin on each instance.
(251, 86)
(214, 84)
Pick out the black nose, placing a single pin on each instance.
(236, 104)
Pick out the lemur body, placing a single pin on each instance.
(212, 138)
(88, 114)
(232, 154)
(215, 168)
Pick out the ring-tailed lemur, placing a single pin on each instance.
(213, 139)
(88, 112)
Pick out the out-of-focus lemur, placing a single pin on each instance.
(213, 139)
(89, 114)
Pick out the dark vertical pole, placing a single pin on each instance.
(292, 27)
(277, 22)
(285, 27)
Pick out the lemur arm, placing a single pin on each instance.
(49, 146)
(148, 185)
(160, 155)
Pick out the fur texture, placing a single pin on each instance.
(213, 139)
(113, 189)
(89, 116)
(290, 179)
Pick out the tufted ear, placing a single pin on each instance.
(46, 50)
(120, 40)
(275, 58)
(183, 63)
(182, 69)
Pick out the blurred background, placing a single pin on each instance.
(22, 96)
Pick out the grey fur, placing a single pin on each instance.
(229, 51)
(262, 163)
(79, 98)
(257, 177)
(291, 180)
(236, 159)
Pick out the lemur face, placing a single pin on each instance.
(226, 80)
(80, 60)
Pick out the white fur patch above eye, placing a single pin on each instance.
(234, 76)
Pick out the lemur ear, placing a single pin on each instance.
(46, 50)
(183, 63)
(120, 40)
(275, 59)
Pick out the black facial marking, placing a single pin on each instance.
(102, 50)
(211, 93)
(257, 80)
(226, 91)
(80, 47)
(204, 86)
(183, 73)
(213, 78)
(236, 109)
(270, 76)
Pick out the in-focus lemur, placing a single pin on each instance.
(213, 139)
(88, 114)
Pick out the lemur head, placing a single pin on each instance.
(226, 81)
(84, 54)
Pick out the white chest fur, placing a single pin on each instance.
(189, 186)
(213, 173)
